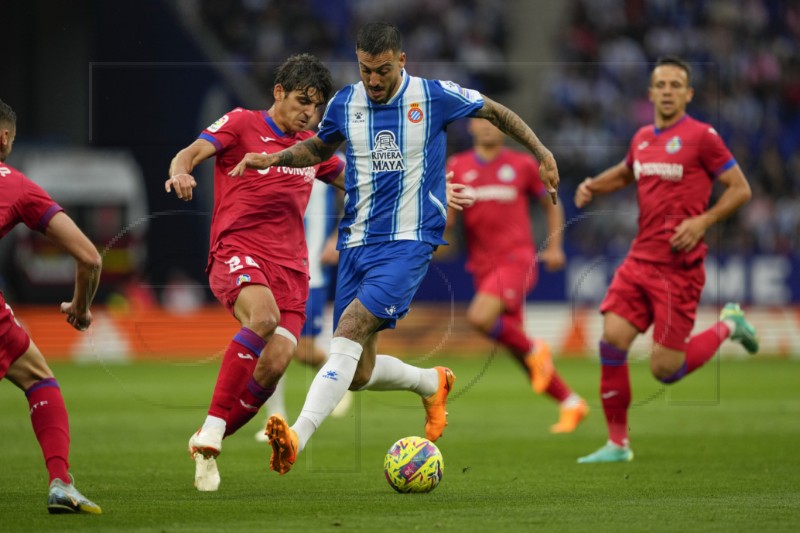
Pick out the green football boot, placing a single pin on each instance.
(744, 332)
(610, 453)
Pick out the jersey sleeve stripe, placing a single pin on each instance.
(212, 140)
(48, 216)
(728, 165)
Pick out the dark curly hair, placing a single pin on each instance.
(301, 72)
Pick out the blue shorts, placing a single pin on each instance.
(383, 276)
(315, 310)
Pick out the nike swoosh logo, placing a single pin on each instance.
(245, 356)
(609, 394)
(248, 406)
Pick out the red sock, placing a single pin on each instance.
(509, 333)
(615, 391)
(51, 426)
(252, 398)
(237, 366)
(558, 389)
(701, 348)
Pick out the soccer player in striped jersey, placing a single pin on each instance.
(395, 127)
(21, 200)
(674, 163)
(503, 259)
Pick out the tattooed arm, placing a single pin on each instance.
(509, 123)
(305, 154)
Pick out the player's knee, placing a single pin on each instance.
(479, 320)
(664, 372)
(263, 324)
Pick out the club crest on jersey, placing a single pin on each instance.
(506, 174)
(386, 156)
(244, 278)
(415, 114)
(218, 124)
(674, 145)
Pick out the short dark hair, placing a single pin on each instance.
(676, 62)
(303, 71)
(7, 114)
(377, 37)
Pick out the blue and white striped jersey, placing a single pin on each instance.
(395, 159)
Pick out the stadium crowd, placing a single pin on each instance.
(745, 55)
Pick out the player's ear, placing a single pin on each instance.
(278, 92)
(402, 59)
(689, 95)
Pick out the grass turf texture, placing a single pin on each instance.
(718, 452)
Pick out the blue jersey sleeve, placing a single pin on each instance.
(333, 127)
(459, 102)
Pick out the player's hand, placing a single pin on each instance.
(183, 185)
(688, 233)
(548, 172)
(253, 160)
(583, 194)
(459, 195)
(78, 320)
(553, 257)
(329, 255)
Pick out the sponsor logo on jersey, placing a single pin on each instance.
(665, 171)
(415, 114)
(267, 139)
(5, 171)
(386, 155)
(218, 124)
(497, 193)
(643, 145)
(244, 278)
(506, 174)
(358, 117)
(674, 145)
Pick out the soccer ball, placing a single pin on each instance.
(413, 464)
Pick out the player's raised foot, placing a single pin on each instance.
(65, 498)
(610, 453)
(743, 332)
(540, 366)
(435, 404)
(283, 440)
(204, 447)
(569, 417)
(343, 407)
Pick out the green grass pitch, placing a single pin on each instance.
(718, 452)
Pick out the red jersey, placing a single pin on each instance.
(674, 170)
(21, 200)
(261, 211)
(498, 225)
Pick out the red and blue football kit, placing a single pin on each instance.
(502, 253)
(674, 170)
(21, 200)
(257, 232)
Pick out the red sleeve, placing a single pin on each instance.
(535, 185)
(452, 166)
(714, 155)
(225, 131)
(629, 155)
(329, 170)
(35, 207)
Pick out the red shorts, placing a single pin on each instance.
(646, 293)
(14, 341)
(509, 281)
(231, 270)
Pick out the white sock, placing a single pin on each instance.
(573, 400)
(328, 387)
(390, 373)
(214, 425)
(277, 402)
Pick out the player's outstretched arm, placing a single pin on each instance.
(180, 177)
(308, 153)
(459, 195)
(616, 177)
(553, 256)
(509, 123)
(63, 231)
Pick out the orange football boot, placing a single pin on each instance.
(435, 413)
(570, 417)
(540, 366)
(283, 440)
